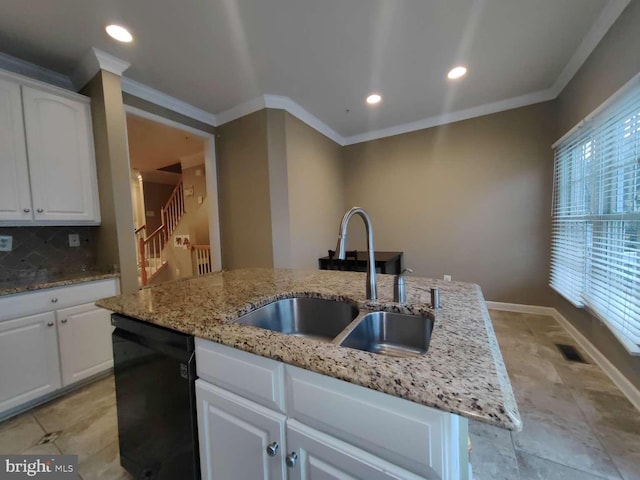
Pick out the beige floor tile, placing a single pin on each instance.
(555, 429)
(77, 406)
(44, 449)
(585, 376)
(89, 436)
(535, 468)
(529, 365)
(19, 434)
(606, 410)
(624, 450)
(104, 465)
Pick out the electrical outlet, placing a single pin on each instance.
(74, 240)
(6, 243)
(447, 278)
(200, 199)
(177, 271)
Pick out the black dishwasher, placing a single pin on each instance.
(155, 373)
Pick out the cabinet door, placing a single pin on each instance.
(29, 366)
(61, 157)
(238, 438)
(15, 199)
(321, 457)
(85, 341)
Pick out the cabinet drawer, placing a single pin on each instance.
(251, 376)
(404, 433)
(49, 299)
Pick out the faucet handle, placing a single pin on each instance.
(399, 294)
(405, 270)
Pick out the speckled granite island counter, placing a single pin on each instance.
(462, 372)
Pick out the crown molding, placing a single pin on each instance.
(293, 108)
(36, 72)
(445, 118)
(610, 13)
(156, 97)
(241, 110)
(279, 102)
(94, 61)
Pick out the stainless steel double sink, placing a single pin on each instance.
(343, 324)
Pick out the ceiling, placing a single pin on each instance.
(153, 145)
(326, 56)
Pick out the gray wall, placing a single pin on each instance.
(315, 179)
(115, 244)
(614, 62)
(470, 199)
(243, 192)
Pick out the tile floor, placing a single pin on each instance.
(577, 424)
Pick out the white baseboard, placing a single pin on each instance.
(625, 386)
(516, 307)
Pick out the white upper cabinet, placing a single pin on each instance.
(15, 198)
(49, 164)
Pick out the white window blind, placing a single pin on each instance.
(595, 259)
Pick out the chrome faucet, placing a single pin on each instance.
(372, 291)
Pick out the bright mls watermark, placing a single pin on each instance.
(50, 467)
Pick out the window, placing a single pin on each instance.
(595, 260)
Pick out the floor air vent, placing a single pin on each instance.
(570, 353)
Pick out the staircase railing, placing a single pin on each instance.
(151, 254)
(173, 210)
(150, 248)
(201, 259)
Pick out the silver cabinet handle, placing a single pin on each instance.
(292, 459)
(49, 324)
(26, 210)
(39, 210)
(272, 449)
(64, 320)
(54, 300)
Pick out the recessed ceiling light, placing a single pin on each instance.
(457, 72)
(119, 33)
(373, 99)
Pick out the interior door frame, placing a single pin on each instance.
(211, 173)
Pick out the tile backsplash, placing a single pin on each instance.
(47, 249)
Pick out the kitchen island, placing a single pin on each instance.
(462, 373)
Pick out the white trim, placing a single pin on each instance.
(519, 308)
(156, 97)
(285, 103)
(625, 386)
(94, 61)
(37, 84)
(210, 174)
(446, 118)
(241, 110)
(610, 13)
(609, 101)
(36, 72)
(279, 102)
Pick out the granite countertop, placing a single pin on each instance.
(49, 279)
(462, 372)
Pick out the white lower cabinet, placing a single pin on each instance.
(238, 438)
(29, 366)
(85, 342)
(313, 455)
(44, 348)
(323, 428)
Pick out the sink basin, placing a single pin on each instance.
(392, 334)
(315, 318)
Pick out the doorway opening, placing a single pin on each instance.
(174, 196)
